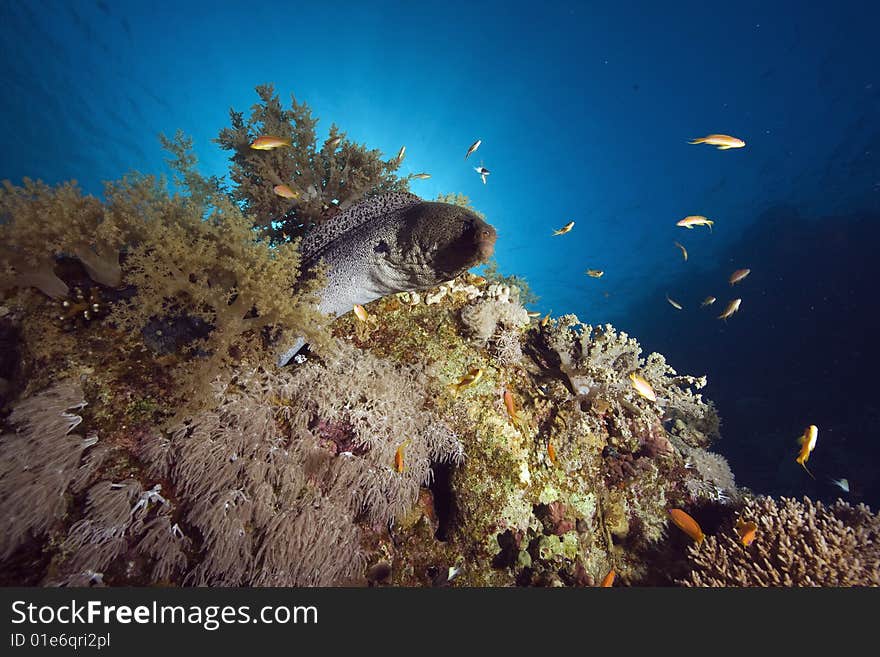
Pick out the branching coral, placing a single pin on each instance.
(710, 476)
(596, 362)
(797, 544)
(324, 179)
(40, 462)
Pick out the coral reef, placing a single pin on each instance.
(797, 544)
(209, 270)
(271, 487)
(447, 440)
(183, 258)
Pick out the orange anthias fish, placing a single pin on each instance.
(551, 453)
(723, 142)
(738, 275)
(642, 387)
(268, 142)
(608, 580)
(687, 524)
(510, 404)
(473, 375)
(746, 531)
(732, 307)
(708, 301)
(285, 191)
(808, 444)
(695, 220)
(398, 458)
(567, 227)
(361, 313)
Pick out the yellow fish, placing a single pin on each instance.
(708, 301)
(595, 273)
(420, 176)
(567, 227)
(746, 531)
(268, 142)
(546, 320)
(732, 307)
(361, 313)
(687, 524)
(473, 375)
(675, 304)
(551, 453)
(642, 387)
(738, 275)
(472, 148)
(684, 251)
(723, 142)
(695, 220)
(333, 143)
(398, 457)
(808, 443)
(285, 191)
(510, 404)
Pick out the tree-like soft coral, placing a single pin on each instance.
(38, 223)
(797, 544)
(213, 269)
(324, 179)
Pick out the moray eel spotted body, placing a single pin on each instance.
(392, 243)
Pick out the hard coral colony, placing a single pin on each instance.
(433, 436)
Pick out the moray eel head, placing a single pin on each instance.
(445, 240)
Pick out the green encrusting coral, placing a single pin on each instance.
(153, 440)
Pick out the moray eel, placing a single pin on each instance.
(392, 243)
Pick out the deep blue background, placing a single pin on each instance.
(584, 110)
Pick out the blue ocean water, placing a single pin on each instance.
(584, 110)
